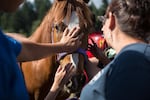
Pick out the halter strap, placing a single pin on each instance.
(80, 51)
(83, 52)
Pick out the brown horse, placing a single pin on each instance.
(39, 74)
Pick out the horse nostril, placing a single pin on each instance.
(69, 84)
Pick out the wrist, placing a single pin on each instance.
(55, 88)
(61, 47)
(52, 93)
(100, 64)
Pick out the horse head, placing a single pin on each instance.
(66, 14)
(39, 74)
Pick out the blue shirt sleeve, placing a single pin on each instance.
(15, 45)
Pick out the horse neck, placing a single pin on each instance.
(43, 33)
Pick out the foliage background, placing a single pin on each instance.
(29, 15)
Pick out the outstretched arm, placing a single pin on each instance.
(33, 51)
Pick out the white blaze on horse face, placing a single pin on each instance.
(74, 21)
(74, 59)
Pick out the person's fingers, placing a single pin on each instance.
(69, 75)
(63, 68)
(91, 46)
(66, 32)
(70, 68)
(68, 72)
(67, 67)
(93, 42)
(74, 31)
(59, 69)
(78, 42)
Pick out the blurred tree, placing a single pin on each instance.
(4, 20)
(98, 12)
(29, 16)
(42, 6)
(22, 20)
(102, 11)
(25, 19)
(93, 8)
(103, 7)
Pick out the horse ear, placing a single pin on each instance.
(86, 1)
(60, 0)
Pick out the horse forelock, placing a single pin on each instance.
(64, 8)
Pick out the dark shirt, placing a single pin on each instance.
(129, 75)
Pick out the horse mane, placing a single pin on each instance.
(43, 32)
(59, 10)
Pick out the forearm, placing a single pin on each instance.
(62, 75)
(91, 67)
(33, 51)
(55, 89)
(52, 95)
(103, 59)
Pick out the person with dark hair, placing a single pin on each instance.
(15, 48)
(126, 28)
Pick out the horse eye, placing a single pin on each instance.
(57, 27)
(60, 27)
(63, 28)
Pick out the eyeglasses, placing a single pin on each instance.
(102, 19)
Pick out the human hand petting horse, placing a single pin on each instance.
(71, 39)
(70, 42)
(62, 75)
